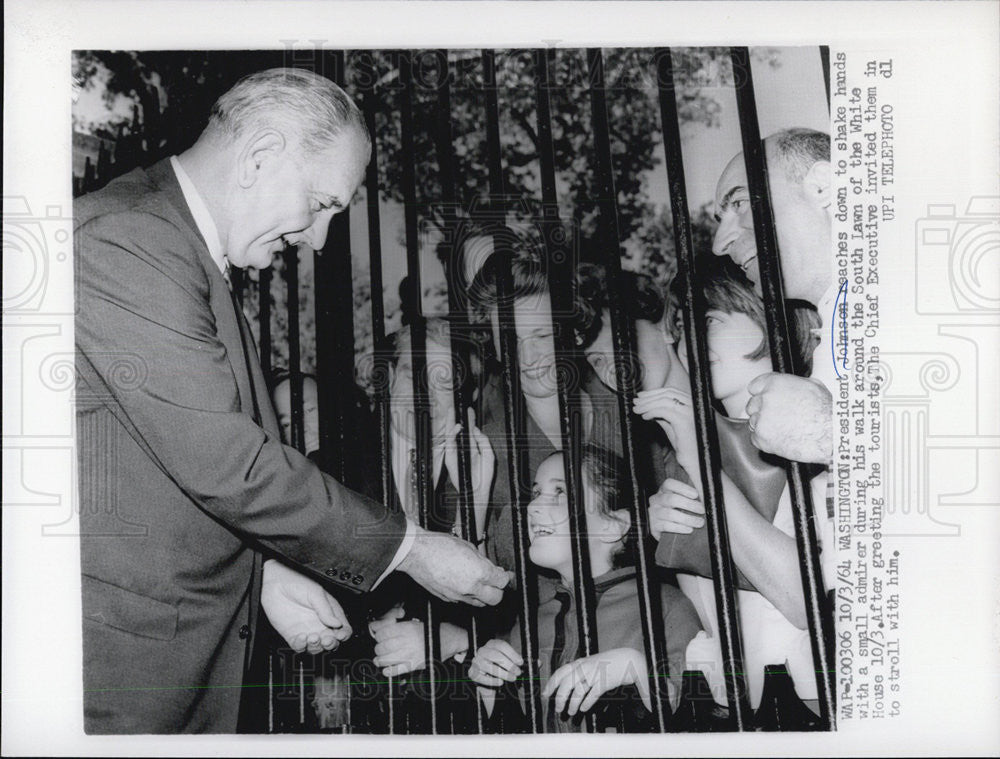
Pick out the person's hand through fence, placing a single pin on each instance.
(578, 685)
(495, 663)
(676, 507)
(400, 646)
(673, 410)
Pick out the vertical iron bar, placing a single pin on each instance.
(418, 346)
(380, 369)
(270, 691)
(517, 459)
(824, 58)
(334, 296)
(820, 625)
(302, 692)
(560, 278)
(264, 318)
(458, 316)
(294, 391)
(294, 371)
(708, 441)
(626, 372)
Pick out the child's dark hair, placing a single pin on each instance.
(604, 471)
(642, 299)
(726, 288)
(519, 248)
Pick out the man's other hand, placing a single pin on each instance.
(306, 616)
(791, 417)
(454, 570)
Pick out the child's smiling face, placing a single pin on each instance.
(652, 350)
(548, 523)
(732, 339)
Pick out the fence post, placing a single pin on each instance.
(701, 392)
(517, 459)
(458, 315)
(418, 345)
(626, 371)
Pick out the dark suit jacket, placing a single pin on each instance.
(183, 478)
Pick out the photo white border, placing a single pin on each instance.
(947, 56)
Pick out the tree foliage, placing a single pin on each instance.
(174, 90)
(633, 115)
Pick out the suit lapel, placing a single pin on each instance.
(264, 410)
(220, 298)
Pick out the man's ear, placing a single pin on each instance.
(816, 184)
(258, 151)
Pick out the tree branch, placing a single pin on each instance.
(522, 119)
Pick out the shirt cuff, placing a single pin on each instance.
(401, 552)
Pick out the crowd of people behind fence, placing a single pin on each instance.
(614, 682)
(236, 521)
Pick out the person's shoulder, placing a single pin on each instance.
(132, 205)
(130, 231)
(120, 194)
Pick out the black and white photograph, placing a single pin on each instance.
(448, 476)
(423, 384)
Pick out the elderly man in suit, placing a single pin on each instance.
(193, 514)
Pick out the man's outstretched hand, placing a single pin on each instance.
(791, 417)
(306, 616)
(454, 570)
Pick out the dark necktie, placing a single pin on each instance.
(246, 339)
(558, 645)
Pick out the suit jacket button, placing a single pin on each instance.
(331, 572)
(357, 579)
(345, 576)
(244, 632)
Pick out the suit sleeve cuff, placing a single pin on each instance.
(401, 552)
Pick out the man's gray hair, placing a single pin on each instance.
(798, 149)
(305, 105)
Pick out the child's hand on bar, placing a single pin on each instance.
(579, 684)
